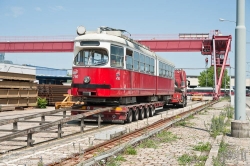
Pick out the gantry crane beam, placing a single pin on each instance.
(36, 46)
(68, 46)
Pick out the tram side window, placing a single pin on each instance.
(142, 61)
(164, 69)
(172, 72)
(129, 59)
(117, 55)
(169, 71)
(147, 62)
(160, 69)
(136, 61)
(152, 65)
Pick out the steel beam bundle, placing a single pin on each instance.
(17, 90)
(53, 93)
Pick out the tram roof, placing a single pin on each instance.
(117, 37)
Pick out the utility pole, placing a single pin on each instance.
(240, 127)
(240, 62)
(206, 61)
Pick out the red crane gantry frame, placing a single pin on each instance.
(217, 46)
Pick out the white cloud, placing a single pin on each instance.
(38, 9)
(16, 11)
(57, 8)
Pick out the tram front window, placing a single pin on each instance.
(93, 57)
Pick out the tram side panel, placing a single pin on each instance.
(165, 86)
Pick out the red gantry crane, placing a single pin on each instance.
(217, 45)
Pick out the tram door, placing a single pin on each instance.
(129, 66)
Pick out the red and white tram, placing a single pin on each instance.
(109, 67)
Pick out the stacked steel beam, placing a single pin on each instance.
(53, 93)
(17, 90)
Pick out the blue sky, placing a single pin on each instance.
(55, 18)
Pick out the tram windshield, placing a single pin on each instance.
(93, 57)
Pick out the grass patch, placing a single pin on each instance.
(185, 122)
(130, 151)
(229, 112)
(181, 123)
(194, 159)
(190, 117)
(115, 161)
(220, 159)
(202, 147)
(217, 126)
(166, 136)
(162, 137)
(149, 144)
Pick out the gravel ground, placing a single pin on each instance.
(239, 148)
(188, 137)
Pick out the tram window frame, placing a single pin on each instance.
(129, 59)
(160, 68)
(136, 61)
(142, 63)
(172, 72)
(164, 69)
(117, 58)
(84, 57)
(167, 70)
(147, 64)
(152, 66)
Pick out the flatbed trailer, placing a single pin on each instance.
(121, 113)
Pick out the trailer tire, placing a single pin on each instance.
(135, 114)
(129, 118)
(151, 111)
(141, 113)
(146, 114)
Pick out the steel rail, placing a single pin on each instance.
(91, 152)
(8, 121)
(45, 127)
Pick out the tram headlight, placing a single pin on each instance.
(80, 30)
(86, 79)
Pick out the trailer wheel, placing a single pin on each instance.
(146, 114)
(129, 116)
(135, 114)
(151, 111)
(141, 114)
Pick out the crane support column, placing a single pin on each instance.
(215, 73)
(239, 127)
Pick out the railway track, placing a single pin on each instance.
(42, 147)
(94, 151)
(16, 129)
(23, 123)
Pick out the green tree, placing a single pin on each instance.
(208, 76)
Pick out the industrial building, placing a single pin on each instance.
(194, 81)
